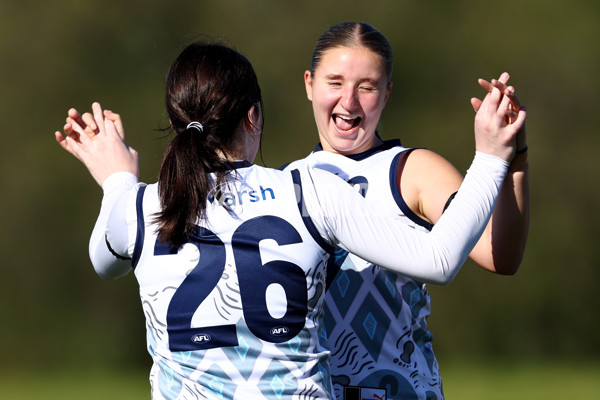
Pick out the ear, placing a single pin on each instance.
(308, 84)
(255, 118)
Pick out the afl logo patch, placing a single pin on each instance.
(201, 338)
(279, 331)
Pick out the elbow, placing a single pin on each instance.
(502, 263)
(443, 279)
(112, 272)
(444, 273)
(507, 265)
(106, 276)
(507, 269)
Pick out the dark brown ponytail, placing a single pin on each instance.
(214, 86)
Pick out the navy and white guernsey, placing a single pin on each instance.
(236, 312)
(376, 319)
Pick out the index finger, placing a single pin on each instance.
(509, 92)
(98, 117)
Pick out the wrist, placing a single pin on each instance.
(117, 179)
(519, 161)
(522, 150)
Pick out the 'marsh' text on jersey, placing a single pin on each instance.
(231, 199)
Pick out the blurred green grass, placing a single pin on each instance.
(535, 380)
(85, 383)
(463, 381)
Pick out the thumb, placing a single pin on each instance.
(476, 103)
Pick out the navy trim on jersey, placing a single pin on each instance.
(284, 166)
(306, 218)
(141, 227)
(241, 164)
(237, 164)
(388, 144)
(401, 158)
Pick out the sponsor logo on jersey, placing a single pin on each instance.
(279, 331)
(201, 338)
(231, 199)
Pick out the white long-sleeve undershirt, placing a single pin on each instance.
(430, 257)
(343, 218)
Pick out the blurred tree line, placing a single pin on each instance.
(56, 312)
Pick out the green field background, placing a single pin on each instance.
(68, 334)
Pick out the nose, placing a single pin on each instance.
(349, 99)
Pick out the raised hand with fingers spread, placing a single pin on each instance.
(515, 108)
(103, 152)
(494, 132)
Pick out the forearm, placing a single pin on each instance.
(502, 246)
(434, 257)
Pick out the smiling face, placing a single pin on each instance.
(348, 90)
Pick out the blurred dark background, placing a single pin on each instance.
(54, 310)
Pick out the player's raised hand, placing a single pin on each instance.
(103, 153)
(502, 84)
(495, 128)
(515, 105)
(87, 122)
(118, 123)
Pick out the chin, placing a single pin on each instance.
(346, 149)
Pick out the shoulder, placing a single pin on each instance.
(423, 163)
(426, 181)
(419, 156)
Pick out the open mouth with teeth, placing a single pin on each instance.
(344, 123)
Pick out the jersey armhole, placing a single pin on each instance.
(452, 196)
(308, 222)
(141, 227)
(396, 169)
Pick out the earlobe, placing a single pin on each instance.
(308, 84)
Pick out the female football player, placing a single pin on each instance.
(377, 330)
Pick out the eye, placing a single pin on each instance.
(334, 84)
(367, 88)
